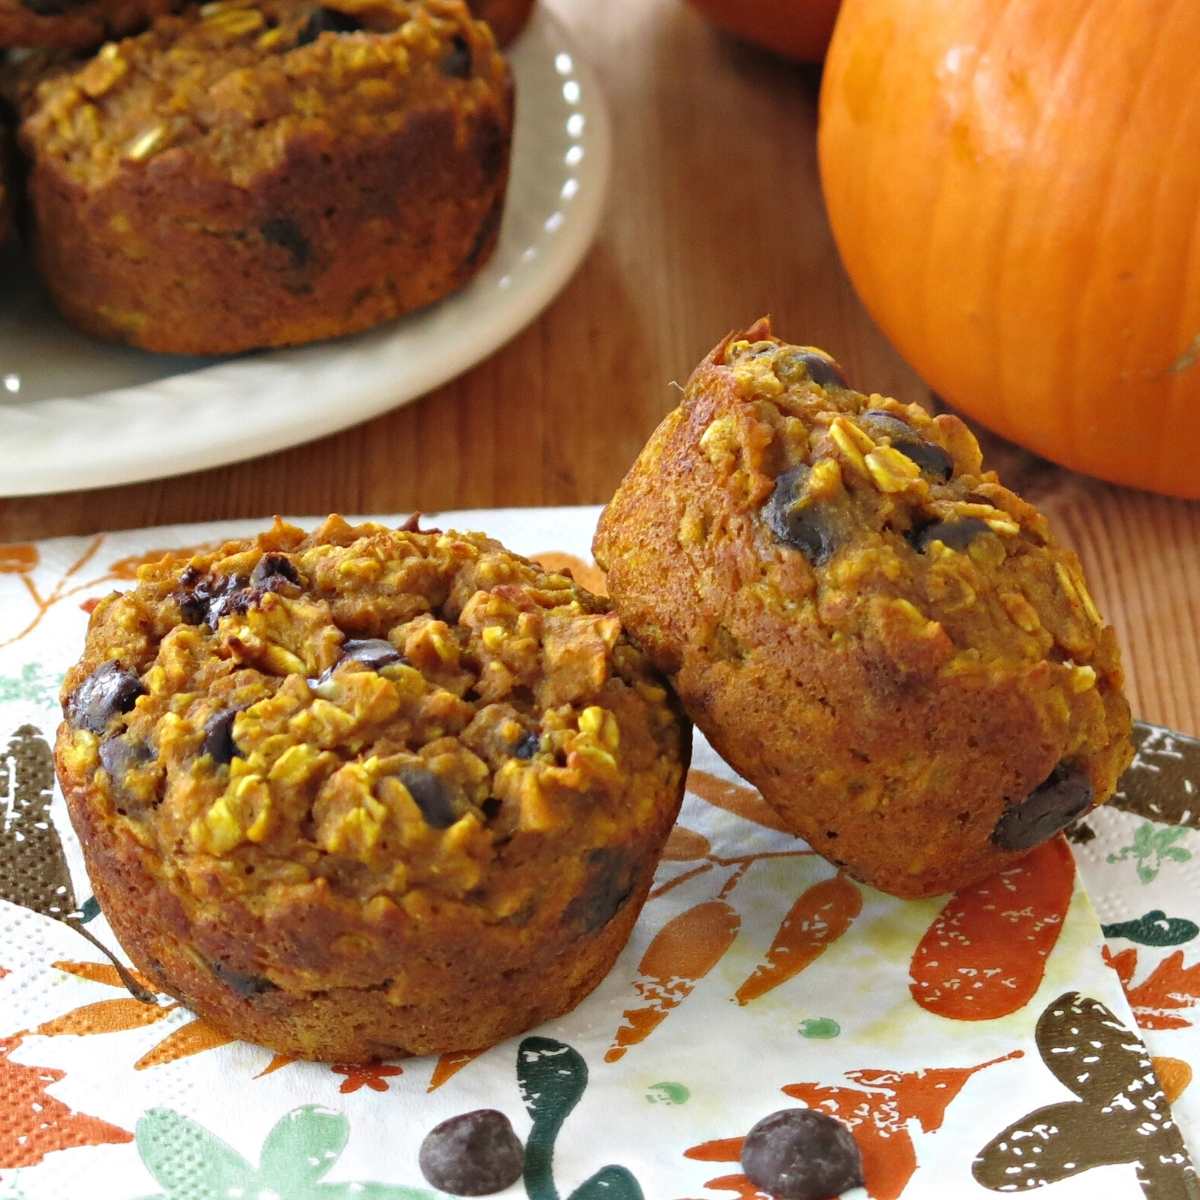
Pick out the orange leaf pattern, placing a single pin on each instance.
(33, 1123)
(685, 845)
(1156, 1001)
(736, 798)
(683, 951)
(371, 1075)
(449, 1065)
(818, 918)
(878, 1112)
(193, 1038)
(106, 1016)
(985, 954)
(17, 557)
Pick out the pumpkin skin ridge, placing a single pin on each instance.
(1089, 330)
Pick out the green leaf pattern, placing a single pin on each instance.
(190, 1163)
(1152, 847)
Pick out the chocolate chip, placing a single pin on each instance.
(805, 529)
(227, 595)
(326, 20)
(798, 365)
(285, 233)
(610, 879)
(1051, 806)
(457, 63)
(953, 534)
(375, 653)
(931, 458)
(886, 422)
(218, 740)
(106, 693)
(802, 1154)
(475, 1154)
(528, 746)
(272, 571)
(119, 754)
(240, 983)
(432, 796)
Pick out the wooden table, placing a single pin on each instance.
(715, 217)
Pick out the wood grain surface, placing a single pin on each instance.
(715, 217)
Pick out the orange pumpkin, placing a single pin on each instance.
(797, 29)
(1015, 190)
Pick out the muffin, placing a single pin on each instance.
(368, 792)
(506, 17)
(249, 175)
(886, 641)
(74, 24)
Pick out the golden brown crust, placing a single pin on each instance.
(241, 177)
(75, 24)
(506, 17)
(369, 791)
(891, 694)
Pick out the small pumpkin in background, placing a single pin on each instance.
(796, 29)
(1015, 192)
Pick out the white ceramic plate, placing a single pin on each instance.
(78, 413)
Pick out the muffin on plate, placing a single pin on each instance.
(75, 24)
(886, 641)
(368, 792)
(264, 174)
(506, 17)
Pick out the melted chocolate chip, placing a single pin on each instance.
(1051, 806)
(931, 458)
(120, 754)
(240, 983)
(218, 736)
(954, 535)
(457, 64)
(528, 746)
(805, 529)
(272, 572)
(285, 233)
(798, 365)
(432, 796)
(475, 1154)
(609, 884)
(206, 600)
(106, 693)
(375, 653)
(801, 1154)
(326, 20)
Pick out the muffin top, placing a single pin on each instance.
(405, 715)
(872, 521)
(227, 87)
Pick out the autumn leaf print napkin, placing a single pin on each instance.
(985, 1043)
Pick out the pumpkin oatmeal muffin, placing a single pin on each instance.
(75, 24)
(868, 625)
(506, 17)
(368, 792)
(263, 174)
